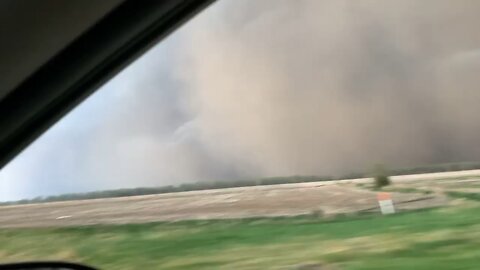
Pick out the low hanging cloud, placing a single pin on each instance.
(275, 87)
(329, 86)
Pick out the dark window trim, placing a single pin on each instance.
(84, 65)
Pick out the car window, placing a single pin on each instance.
(268, 134)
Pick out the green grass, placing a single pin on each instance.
(459, 178)
(394, 189)
(443, 238)
(464, 195)
(408, 190)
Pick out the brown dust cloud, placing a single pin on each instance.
(278, 87)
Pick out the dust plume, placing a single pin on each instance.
(314, 87)
(276, 87)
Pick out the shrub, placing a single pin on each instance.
(380, 177)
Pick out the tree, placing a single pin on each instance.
(380, 176)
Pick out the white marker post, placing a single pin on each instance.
(386, 203)
(63, 217)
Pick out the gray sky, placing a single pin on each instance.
(273, 87)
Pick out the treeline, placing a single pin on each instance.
(238, 183)
(446, 167)
(170, 189)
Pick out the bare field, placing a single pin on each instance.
(329, 198)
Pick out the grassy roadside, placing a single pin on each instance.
(444, 238)
(464, 195)
(394, 189)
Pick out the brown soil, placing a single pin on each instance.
(321, 198)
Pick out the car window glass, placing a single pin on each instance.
(254, 93)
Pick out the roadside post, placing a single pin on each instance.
(386, 203)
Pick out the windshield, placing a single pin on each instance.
(267, 135)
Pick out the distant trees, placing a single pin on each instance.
(445, 167)
(380, 175)
(170, 189)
